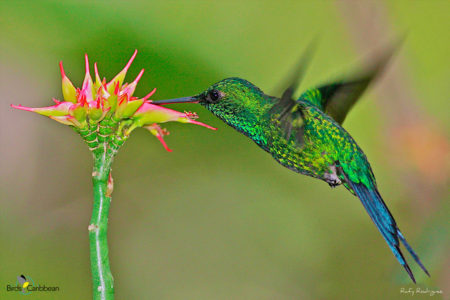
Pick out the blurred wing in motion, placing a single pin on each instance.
(338, 98)
(286, 113)
(287, 116)
(293, 79)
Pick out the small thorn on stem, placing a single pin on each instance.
(110, 186)
(92, 227)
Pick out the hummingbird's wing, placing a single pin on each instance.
(296, 74)
(338, 98)
(286, 113)
(287, 117)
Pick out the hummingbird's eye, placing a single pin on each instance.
(214, 96)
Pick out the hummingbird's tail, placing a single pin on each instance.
(381, 216)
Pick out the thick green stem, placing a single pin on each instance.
(102, 280)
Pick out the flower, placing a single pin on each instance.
(107, 112)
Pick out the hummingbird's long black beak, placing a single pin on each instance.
(192, 99)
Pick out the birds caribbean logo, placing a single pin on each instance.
(306, 135)
(24, 283)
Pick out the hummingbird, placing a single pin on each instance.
(306, 136)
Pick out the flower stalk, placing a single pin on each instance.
(102, 279)
(104, 115)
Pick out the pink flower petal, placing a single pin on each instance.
(121, 75)
(66, 120)
(60, 109)
(69, 91)
(150, 113)
(86, 93)
(129, 89)
(158, 133)
(98, 81)
(149, 95)
(201, 124)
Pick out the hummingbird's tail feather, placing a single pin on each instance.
(412, 252)
(381, 216)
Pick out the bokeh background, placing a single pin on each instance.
(218, 218)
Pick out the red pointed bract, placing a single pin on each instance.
(149, 94)
(159, 133)
(61, 68)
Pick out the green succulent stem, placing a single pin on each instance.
(102, 279)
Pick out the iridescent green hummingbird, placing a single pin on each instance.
(306, 136)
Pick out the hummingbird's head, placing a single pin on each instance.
(231, 98)
(234, 100)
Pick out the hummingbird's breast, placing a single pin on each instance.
(317, 154)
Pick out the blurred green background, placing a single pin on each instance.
(218, 218)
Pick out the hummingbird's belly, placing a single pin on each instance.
(309, 160)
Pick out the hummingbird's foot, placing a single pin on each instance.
(334, 184)
(332, 178)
